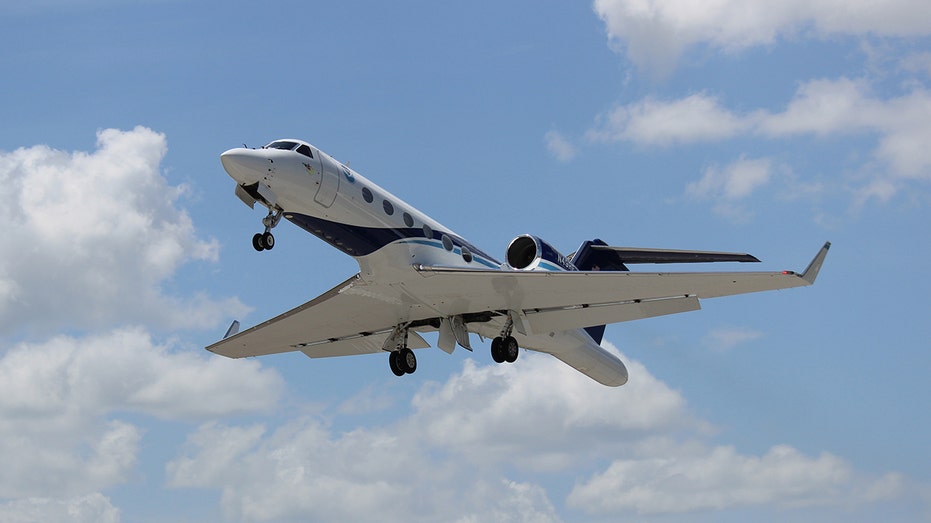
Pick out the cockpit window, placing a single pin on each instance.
(305, 150)
(287, 146)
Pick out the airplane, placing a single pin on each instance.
(416, 276)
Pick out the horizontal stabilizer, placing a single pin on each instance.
(638, 255)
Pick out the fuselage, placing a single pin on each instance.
(386, 236)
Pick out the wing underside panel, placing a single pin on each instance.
(362, 344)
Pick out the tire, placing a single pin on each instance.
(268, 240)
(393, 363)
(510, 349)
(258, 242)
(407, 361)
(497, 350)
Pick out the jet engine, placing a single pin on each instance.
(530, 253)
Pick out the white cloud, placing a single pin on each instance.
(92, 236)
(727, 186)
(455, 445)
(465, 433)
(695, 118)
(476, 413)
(559, 146)
(466, 436)
(56, 398)
(65, 460)
(303, 471)
(653, 33)
(713, 479)
(823, 108)
(90, 508)
(734, 182)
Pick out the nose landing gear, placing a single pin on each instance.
(265, 241)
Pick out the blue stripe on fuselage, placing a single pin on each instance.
(357, 240)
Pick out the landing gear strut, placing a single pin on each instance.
(504, 348)
(265, 241)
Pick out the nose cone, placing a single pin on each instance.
(246, 166)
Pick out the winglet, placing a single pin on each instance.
(233, 330)
(811, 272)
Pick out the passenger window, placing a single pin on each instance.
(367, 195)
(389, 209)
(447, 243)
(408, 220)
(305, 150)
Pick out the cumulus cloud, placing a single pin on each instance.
(56, 399)
(91, 237)
(652, 122)
(718, 478)
(821, 108)
(499, 413)
(304, 471)
(653, 33)
(480, 442)
(91, 508)
(455, 444)
(729, 185)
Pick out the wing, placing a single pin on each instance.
(552, 301)
(358, 316)
(348, 319)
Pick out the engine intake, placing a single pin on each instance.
(529, 253)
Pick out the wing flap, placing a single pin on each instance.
(362, 344)
(586, 316)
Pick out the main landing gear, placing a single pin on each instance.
(402, 362)
(265, 241)
(401, 359)
(504, 348)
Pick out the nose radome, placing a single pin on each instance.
(246, 166)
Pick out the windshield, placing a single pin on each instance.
(287, 146)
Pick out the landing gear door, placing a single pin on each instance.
(329, 181)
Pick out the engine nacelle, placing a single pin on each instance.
(530, 253)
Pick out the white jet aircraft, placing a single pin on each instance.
(417, 276)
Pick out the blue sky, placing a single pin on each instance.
(740, 126)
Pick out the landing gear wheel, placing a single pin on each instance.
(258, 242)
(510, 349)
(268, 241)
(407, 361)
(497, 350)
(394, 364)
